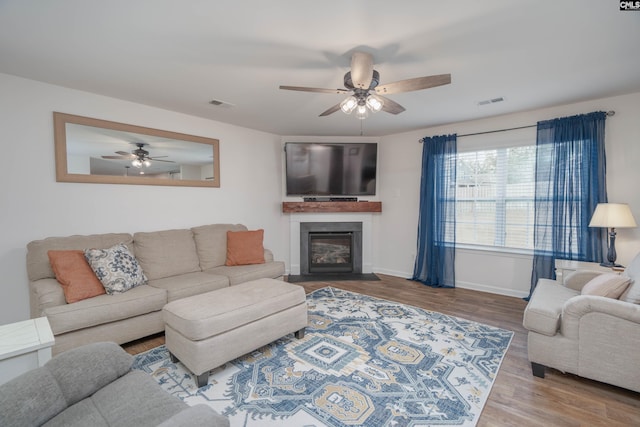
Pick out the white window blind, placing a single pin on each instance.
(495, 191)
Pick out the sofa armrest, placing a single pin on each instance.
(44, 293)
(579, 306)
(198, 415)
(268, 255)
(577, 279)
(544, 310)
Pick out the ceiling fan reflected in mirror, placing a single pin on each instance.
(365, 92)
(139, 157)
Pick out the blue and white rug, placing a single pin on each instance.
(363, 361)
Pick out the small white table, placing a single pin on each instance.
(565, 266)
(24, 346)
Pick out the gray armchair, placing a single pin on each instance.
(591, 336)
(94, 385)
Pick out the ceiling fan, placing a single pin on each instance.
(362, 83)
(139, 157)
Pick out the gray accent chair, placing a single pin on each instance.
(591, 336)
(94, 385)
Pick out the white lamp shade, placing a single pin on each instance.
(612, 215)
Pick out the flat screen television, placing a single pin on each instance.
(331, 169)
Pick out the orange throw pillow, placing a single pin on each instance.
(75, 275)
(245, 247)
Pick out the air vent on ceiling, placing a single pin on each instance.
(222, 104)
(491, 101)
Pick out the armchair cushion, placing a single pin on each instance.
(632, 294)
(610, 285)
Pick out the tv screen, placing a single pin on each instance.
(331, 169)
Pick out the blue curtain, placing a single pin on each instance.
(570, 182)
(435, 257)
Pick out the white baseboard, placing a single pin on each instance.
(395, 273)
(492, 289)
(463, 285)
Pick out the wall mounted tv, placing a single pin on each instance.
(331, 169)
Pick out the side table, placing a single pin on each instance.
(24, 346)
(565, 266)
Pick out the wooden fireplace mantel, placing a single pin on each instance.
(310, 207)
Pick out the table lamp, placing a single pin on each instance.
(612, 216)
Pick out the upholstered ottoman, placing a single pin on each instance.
(207, 330)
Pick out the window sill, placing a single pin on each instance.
(496, 251)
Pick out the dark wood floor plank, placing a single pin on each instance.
(517, 398)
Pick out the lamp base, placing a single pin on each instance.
(611, 265)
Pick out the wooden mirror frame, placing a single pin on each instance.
(60, 121)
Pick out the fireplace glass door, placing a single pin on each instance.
(330, 252)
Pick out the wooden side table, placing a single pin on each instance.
(24, 346)
(565, 266)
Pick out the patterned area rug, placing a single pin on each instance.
(363, 361)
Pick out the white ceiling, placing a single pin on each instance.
(179, 55)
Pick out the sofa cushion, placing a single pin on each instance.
(38, 265)
(105, 308)
(189, 284)
(166, 253)
(116, 267)
(75, 275)
(211, 243)
(18, 407)
(83, 413)
(632, 293)
(244, 273)
(544, 309)
(610, 285)
(245, 247)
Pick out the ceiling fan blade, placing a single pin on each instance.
(361, 69)
(116, 157)
(155, 159)
(313, 89)
(124, 153)
(330, 110)
(391, 106)
(418, 83)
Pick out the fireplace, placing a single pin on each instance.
(330, 247)
(330, 252)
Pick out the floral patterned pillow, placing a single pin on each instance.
(116, 268)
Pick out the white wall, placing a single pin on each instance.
(34, 206)
(399, 184)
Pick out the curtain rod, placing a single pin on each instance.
(609, 113)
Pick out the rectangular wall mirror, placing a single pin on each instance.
(100, 151)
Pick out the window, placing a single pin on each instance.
(495, 192)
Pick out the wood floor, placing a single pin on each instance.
(517, 398)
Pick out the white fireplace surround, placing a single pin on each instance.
(294, 235)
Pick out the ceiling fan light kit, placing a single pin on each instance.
(362, 84)
(139, 157)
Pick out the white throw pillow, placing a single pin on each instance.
(608, 285)
(632, 294)
(116, 268)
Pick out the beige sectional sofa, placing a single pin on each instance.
(177, 263)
